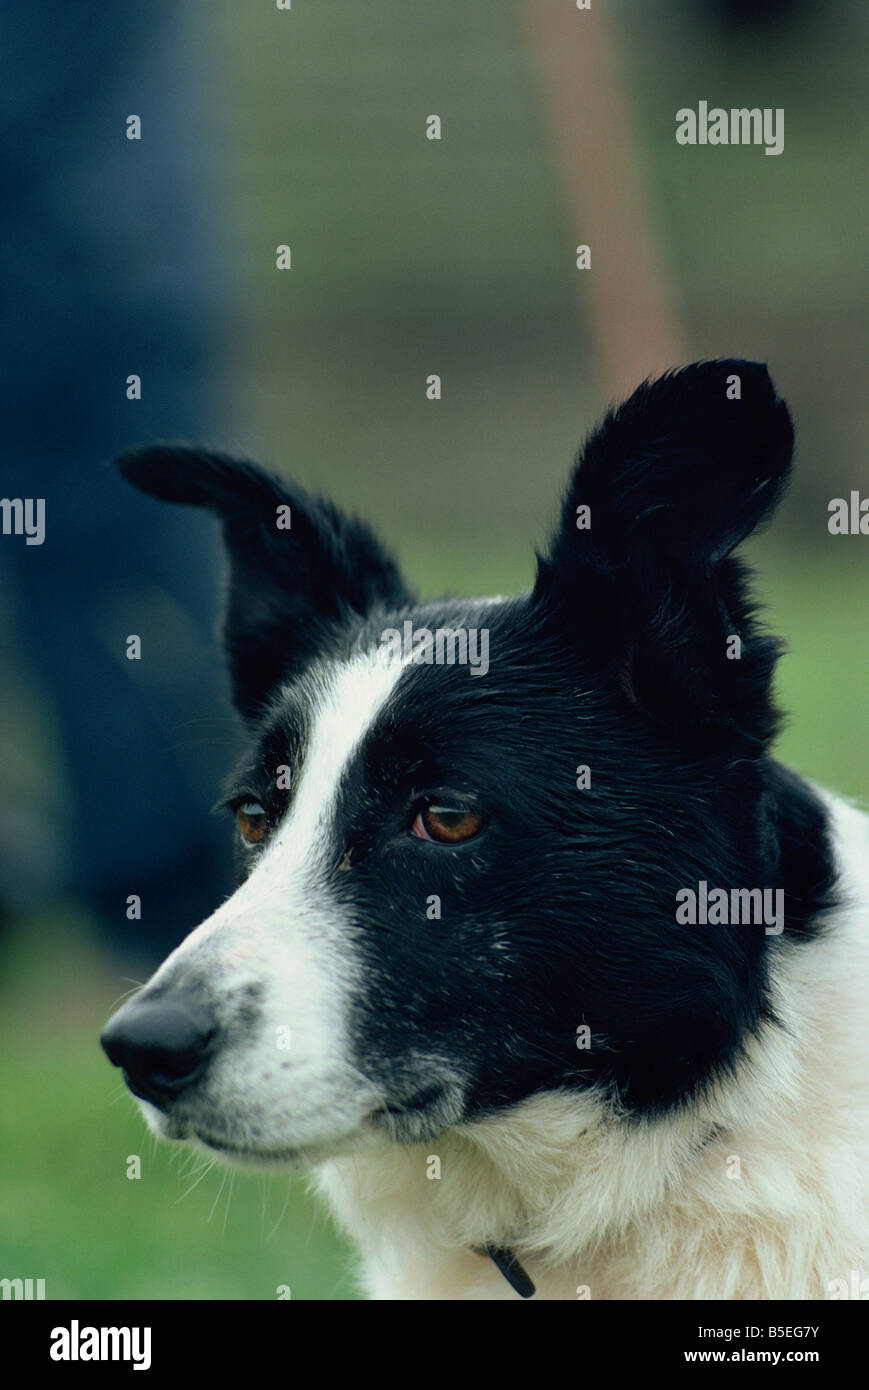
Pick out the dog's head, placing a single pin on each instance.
(453, 864)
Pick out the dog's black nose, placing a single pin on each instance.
(162, 1045)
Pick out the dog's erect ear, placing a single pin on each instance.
(665, 488)
(298, 567)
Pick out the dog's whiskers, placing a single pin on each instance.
(206, 1168)
(283, 1210)
(219, 1192)
(136, 984)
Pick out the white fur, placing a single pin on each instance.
(596, 1204)
(282, 930)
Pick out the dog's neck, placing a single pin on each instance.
(536, 1187)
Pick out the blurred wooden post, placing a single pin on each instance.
(634, 319)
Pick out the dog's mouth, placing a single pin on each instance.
(411, 1115)
(247, 1153)
(255, 1154)
(207, 1132)
(414, 1117)
(421, 1115)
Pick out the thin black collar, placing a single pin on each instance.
(511, 1269)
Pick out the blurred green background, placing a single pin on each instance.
(455, 257)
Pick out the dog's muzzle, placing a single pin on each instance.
(163, 1045)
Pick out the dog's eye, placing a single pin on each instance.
(251, 821)
(447, 825)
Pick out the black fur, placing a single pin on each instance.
(562, 911)
(675, 478)
(290, 591)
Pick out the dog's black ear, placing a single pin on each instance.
(664, 489)
(298, 566)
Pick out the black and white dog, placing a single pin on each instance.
(552, 972)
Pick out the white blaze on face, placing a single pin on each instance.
(280, 930)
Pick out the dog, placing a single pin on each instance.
(554, 976)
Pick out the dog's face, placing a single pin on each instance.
(449, 872)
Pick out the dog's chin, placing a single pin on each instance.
(260, 1159)
(207, 1138)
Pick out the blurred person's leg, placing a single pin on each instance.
(111, 272)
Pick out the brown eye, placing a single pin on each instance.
(251, 821)
(447, 825)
